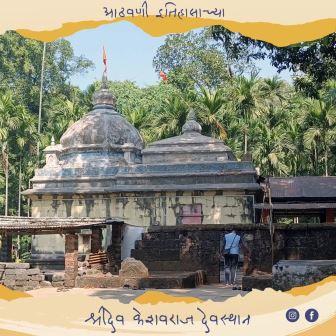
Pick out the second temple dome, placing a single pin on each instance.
(190, 146)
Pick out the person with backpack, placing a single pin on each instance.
(231, 247)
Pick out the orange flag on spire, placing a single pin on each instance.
(104, 59)
(163, 76)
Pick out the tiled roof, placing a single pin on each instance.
(303, 187)
(38, 225)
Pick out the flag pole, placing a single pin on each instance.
(40, 102)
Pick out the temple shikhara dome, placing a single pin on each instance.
(190, 146)
(99, 133)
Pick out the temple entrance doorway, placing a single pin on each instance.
(130, 234)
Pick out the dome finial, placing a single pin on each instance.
(191, 115)
(191, 124)
(104, 98)
(104, 80)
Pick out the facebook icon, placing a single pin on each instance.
(311, 315)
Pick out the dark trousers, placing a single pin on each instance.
(230, 268)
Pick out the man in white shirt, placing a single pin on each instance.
(231, 247)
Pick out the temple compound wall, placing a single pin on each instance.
(191, 248)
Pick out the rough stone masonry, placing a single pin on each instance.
(20, 276)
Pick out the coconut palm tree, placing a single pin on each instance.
(295, 152)
(274, 90)
(8, 122)
(269, 150)
(210, 112)
(329, 90)
(25, 142)
(141, 120)
(169, 119)
(320, 134)
(247, 100)
(62, 113)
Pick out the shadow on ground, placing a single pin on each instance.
(215, 292)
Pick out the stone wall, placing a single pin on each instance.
(150, 209)
(294, 273)
(194, 247)
(6, 248)
(306, 242)
(20, 276)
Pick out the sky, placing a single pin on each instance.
(130, 53)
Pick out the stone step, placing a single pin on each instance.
(162, 265)
(166, 280)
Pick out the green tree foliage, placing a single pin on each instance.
(20, 74)
(313, 63)
(195, 59)
(20, 68)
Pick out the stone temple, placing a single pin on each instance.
(102, 169)
(104, 196)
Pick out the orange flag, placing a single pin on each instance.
(163, 76)
(104, 59)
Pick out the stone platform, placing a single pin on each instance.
(94, 281)
(294, 273)
(260, 282)
(215, 292)
(171, 280)
(156, 280)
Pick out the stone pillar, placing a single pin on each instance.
(114, 250)
(6, 248)
(96, 240)
(71, 259)
(330, 216)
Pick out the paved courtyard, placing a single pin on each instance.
(216, 292)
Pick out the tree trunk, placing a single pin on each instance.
(326, 162)
(40, 102)
(19, 207)
(28, 200)
(20, 183)
(315, 157)
(6, 189)
(245, 141)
